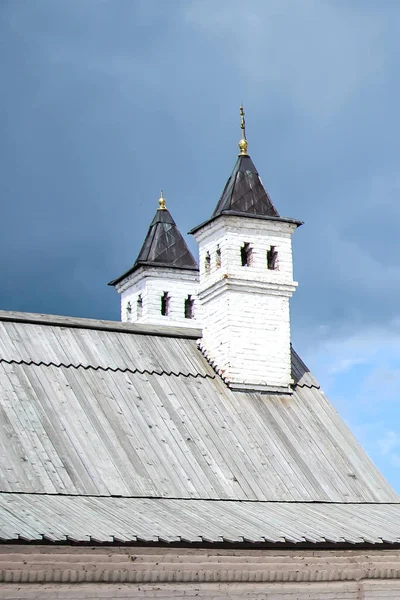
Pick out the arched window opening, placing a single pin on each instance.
(246, 255)
(165, 304)
(272, 258)
(207, 263)
(189, 307)
(218, 257)
(139, 306)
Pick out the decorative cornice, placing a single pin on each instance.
(21, 565)
(151, 272)
(228, 282)
(204, 228)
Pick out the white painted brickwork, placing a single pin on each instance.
(246, 332)
(244, 309)
(151, 283)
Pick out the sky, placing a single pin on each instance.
(104, 102)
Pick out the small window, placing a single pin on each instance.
(189, 307)
(272, 258)
(165, 304)
(246, 255)
(139, 306)
(128, 311)
(218, 257)
(207, 263)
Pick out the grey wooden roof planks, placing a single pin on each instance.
(31, 517)
(90, 411)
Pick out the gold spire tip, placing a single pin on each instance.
(161, 202)
(243, 144)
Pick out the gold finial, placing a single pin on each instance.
(161, 202)
(243, 145)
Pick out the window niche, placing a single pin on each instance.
(189, 307)
(139, 306)
(207, 263)
(218, 257)
(128, 311)
(272, 259)
(246, 255)
(165, 304)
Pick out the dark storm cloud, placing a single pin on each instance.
(105, 102)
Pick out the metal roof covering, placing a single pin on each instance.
(90, 409)
(163, 246)
(87, 519)
(244, 192)
(244, 195)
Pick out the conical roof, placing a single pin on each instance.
(244, 195)
(163, 246)
(244, 192)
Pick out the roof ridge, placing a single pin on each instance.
(99, 324)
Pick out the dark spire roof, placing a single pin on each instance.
(163, 246)
(245, 195)
(244, 192)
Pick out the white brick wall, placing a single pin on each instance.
(244, 309)
(246, 332)
(151, 283)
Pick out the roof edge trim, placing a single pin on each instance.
(144, 263)
(234, 213)
(84, 323)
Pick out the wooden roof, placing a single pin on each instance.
(102, 409)
(88, 519)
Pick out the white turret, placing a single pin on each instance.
(246, 281)
(161, 287)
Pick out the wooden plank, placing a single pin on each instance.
(192, 395)
(27, 459)
(80, 433)
(70, 458)
(240, 417)
(127, 475)
(186, 465)
(209, 456)
(261, 440)
(40, 454)
(298, 466)
(320, 462)
(132, 424)
(156, 432)
(11, 450)
(228, 428)
(371, 484)
(186, 435)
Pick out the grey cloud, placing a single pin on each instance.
(103, 106)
